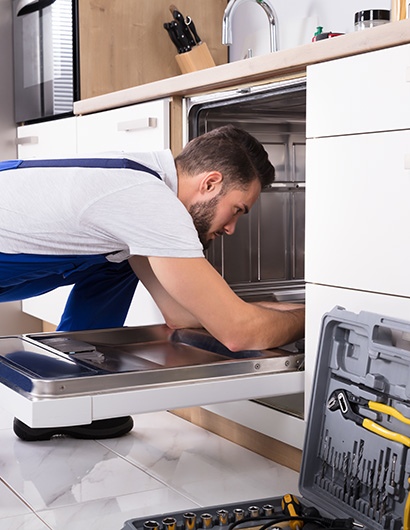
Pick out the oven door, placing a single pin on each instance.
(44, 50)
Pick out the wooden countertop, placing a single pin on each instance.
(263, 68)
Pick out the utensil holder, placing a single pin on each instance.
(197, 59)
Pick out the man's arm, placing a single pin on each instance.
(175, 315)
(196, 293)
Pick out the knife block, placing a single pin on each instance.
(197, 59)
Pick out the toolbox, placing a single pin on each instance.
(356, 466)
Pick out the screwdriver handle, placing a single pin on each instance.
(292, 507)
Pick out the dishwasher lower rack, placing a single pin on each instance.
(67, 378)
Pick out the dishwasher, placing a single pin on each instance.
(264, 258)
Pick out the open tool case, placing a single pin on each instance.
(356, 454)
(356, 461)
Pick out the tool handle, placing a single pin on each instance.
(390, 411)
(385, 433)
(406, 516)
(292, 507)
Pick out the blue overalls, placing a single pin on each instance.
(102, 291)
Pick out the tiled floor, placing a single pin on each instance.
(165, 464)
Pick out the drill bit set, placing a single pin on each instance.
(360, 413)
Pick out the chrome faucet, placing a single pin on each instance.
(227, 22)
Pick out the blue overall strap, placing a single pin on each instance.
(109, 163)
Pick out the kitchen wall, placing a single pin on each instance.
(296, 21)
(12, 320)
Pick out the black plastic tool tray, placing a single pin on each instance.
(348, 470)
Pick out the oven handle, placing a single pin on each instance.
(24, 7)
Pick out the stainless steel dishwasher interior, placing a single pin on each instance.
(264, 259)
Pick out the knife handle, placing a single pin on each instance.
(179, 18)
(172, 36)
(191, 26)
(181, 35)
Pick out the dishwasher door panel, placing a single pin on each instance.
(59, 379)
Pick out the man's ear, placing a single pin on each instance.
(211, 182)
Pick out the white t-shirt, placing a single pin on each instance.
(119, 212)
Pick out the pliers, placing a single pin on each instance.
(349, 405)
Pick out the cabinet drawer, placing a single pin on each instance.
(364, 93)
(357, 214)
(137, 128)
(48, 139)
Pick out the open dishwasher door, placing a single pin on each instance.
(61, 379)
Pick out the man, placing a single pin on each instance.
(103, 224)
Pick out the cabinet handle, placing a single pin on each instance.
(406, 161)
(137, 125)
(27, 140)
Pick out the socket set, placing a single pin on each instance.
(220, 517)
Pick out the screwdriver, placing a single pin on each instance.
(292, 507)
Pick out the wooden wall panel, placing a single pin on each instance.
(123, 42)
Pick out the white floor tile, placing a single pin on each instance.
(62, 472)
(111, 514)
(10, 504)
(23, 522)
(165, 464)
(206, 468)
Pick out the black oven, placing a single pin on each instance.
(45, 47)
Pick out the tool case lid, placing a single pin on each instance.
(356, 452)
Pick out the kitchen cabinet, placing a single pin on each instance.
(141, 127)
(359, 188)
(365, 93)
(357, 184)
(47, 139)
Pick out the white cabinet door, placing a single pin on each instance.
(50, 139)
(357, 214)
(138, 128)
(364, 93)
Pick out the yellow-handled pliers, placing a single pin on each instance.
(348, 405)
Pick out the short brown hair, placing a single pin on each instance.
(236, 154)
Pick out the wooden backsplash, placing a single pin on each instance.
(123, 42)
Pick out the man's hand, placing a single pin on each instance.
(190, 292)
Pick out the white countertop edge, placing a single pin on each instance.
(264, 67)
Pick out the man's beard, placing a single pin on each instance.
(203, 214)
